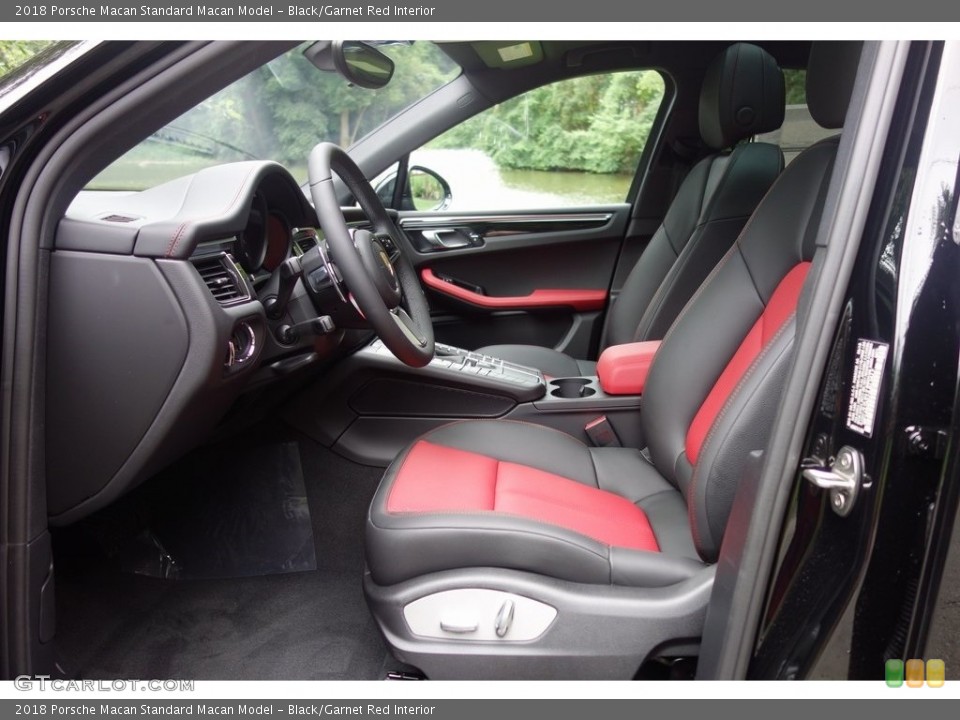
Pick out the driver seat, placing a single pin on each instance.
(742, 95)
(507, 549)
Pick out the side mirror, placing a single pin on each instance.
(362, 64)
(425, 190)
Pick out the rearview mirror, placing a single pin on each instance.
(362, 64)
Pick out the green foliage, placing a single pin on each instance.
(596, 124)
(14, 53)
(796, 81)
(286, 107)
(426, 188)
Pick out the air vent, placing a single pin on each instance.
(119, 218)
(221, 276)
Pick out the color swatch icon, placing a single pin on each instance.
(936, 673)
(893, 672)
(913, 672)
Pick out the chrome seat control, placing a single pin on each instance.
(459, 625)
(504, 618)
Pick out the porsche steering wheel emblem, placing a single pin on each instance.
(386, 262)
(389, 266)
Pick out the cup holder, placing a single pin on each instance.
(571, 388)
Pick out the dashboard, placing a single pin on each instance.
(165, 307)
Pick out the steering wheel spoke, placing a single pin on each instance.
(408, 327)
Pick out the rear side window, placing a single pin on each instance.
(799, 131)
(572, 143)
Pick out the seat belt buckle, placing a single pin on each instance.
(601, 433)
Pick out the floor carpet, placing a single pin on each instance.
(298, 625)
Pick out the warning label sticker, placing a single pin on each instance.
(865, 387)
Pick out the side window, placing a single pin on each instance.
(799, 130)
(573, 143)
(14, 53)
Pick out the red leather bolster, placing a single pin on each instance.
(623, 369)
(782, 304)
(577, 299)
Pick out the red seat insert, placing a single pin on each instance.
(434, 478)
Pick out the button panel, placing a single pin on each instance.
(465, 362)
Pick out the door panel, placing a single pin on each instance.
(533, 277)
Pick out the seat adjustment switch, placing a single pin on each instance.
(504, 618)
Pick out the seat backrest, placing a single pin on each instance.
(714, 388)
(742, 95)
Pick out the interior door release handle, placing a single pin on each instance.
(447, 238)
(843, 479)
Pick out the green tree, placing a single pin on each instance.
(14, 53)
(283, 109)
(796, 81)
(596, 123)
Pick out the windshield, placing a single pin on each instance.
(278, 112)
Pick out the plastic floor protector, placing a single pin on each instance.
(239, 513)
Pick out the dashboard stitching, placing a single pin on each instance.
(175, 240)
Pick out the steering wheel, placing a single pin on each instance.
(387, 293)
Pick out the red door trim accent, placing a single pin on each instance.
(575, 298)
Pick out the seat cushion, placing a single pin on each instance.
(509, 494)
(547, 360)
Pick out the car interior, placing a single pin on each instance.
(299, 429)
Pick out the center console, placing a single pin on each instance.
(374, 405)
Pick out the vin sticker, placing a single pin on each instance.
(865, 388)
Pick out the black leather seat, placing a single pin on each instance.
(617, 542)
(742, 95)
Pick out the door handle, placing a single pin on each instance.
(448, 239)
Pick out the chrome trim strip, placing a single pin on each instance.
(422, 222)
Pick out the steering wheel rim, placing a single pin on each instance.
(407, 332)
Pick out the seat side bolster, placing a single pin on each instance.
(660, 255)
(640, 569)
(742, 427)
(668, 517)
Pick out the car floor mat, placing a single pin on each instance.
(236, 512)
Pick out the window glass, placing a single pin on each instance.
(14, 53)
(279, 112)
(575, 142)
(799, 131)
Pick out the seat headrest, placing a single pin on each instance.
(742, 95)
(831, 71)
